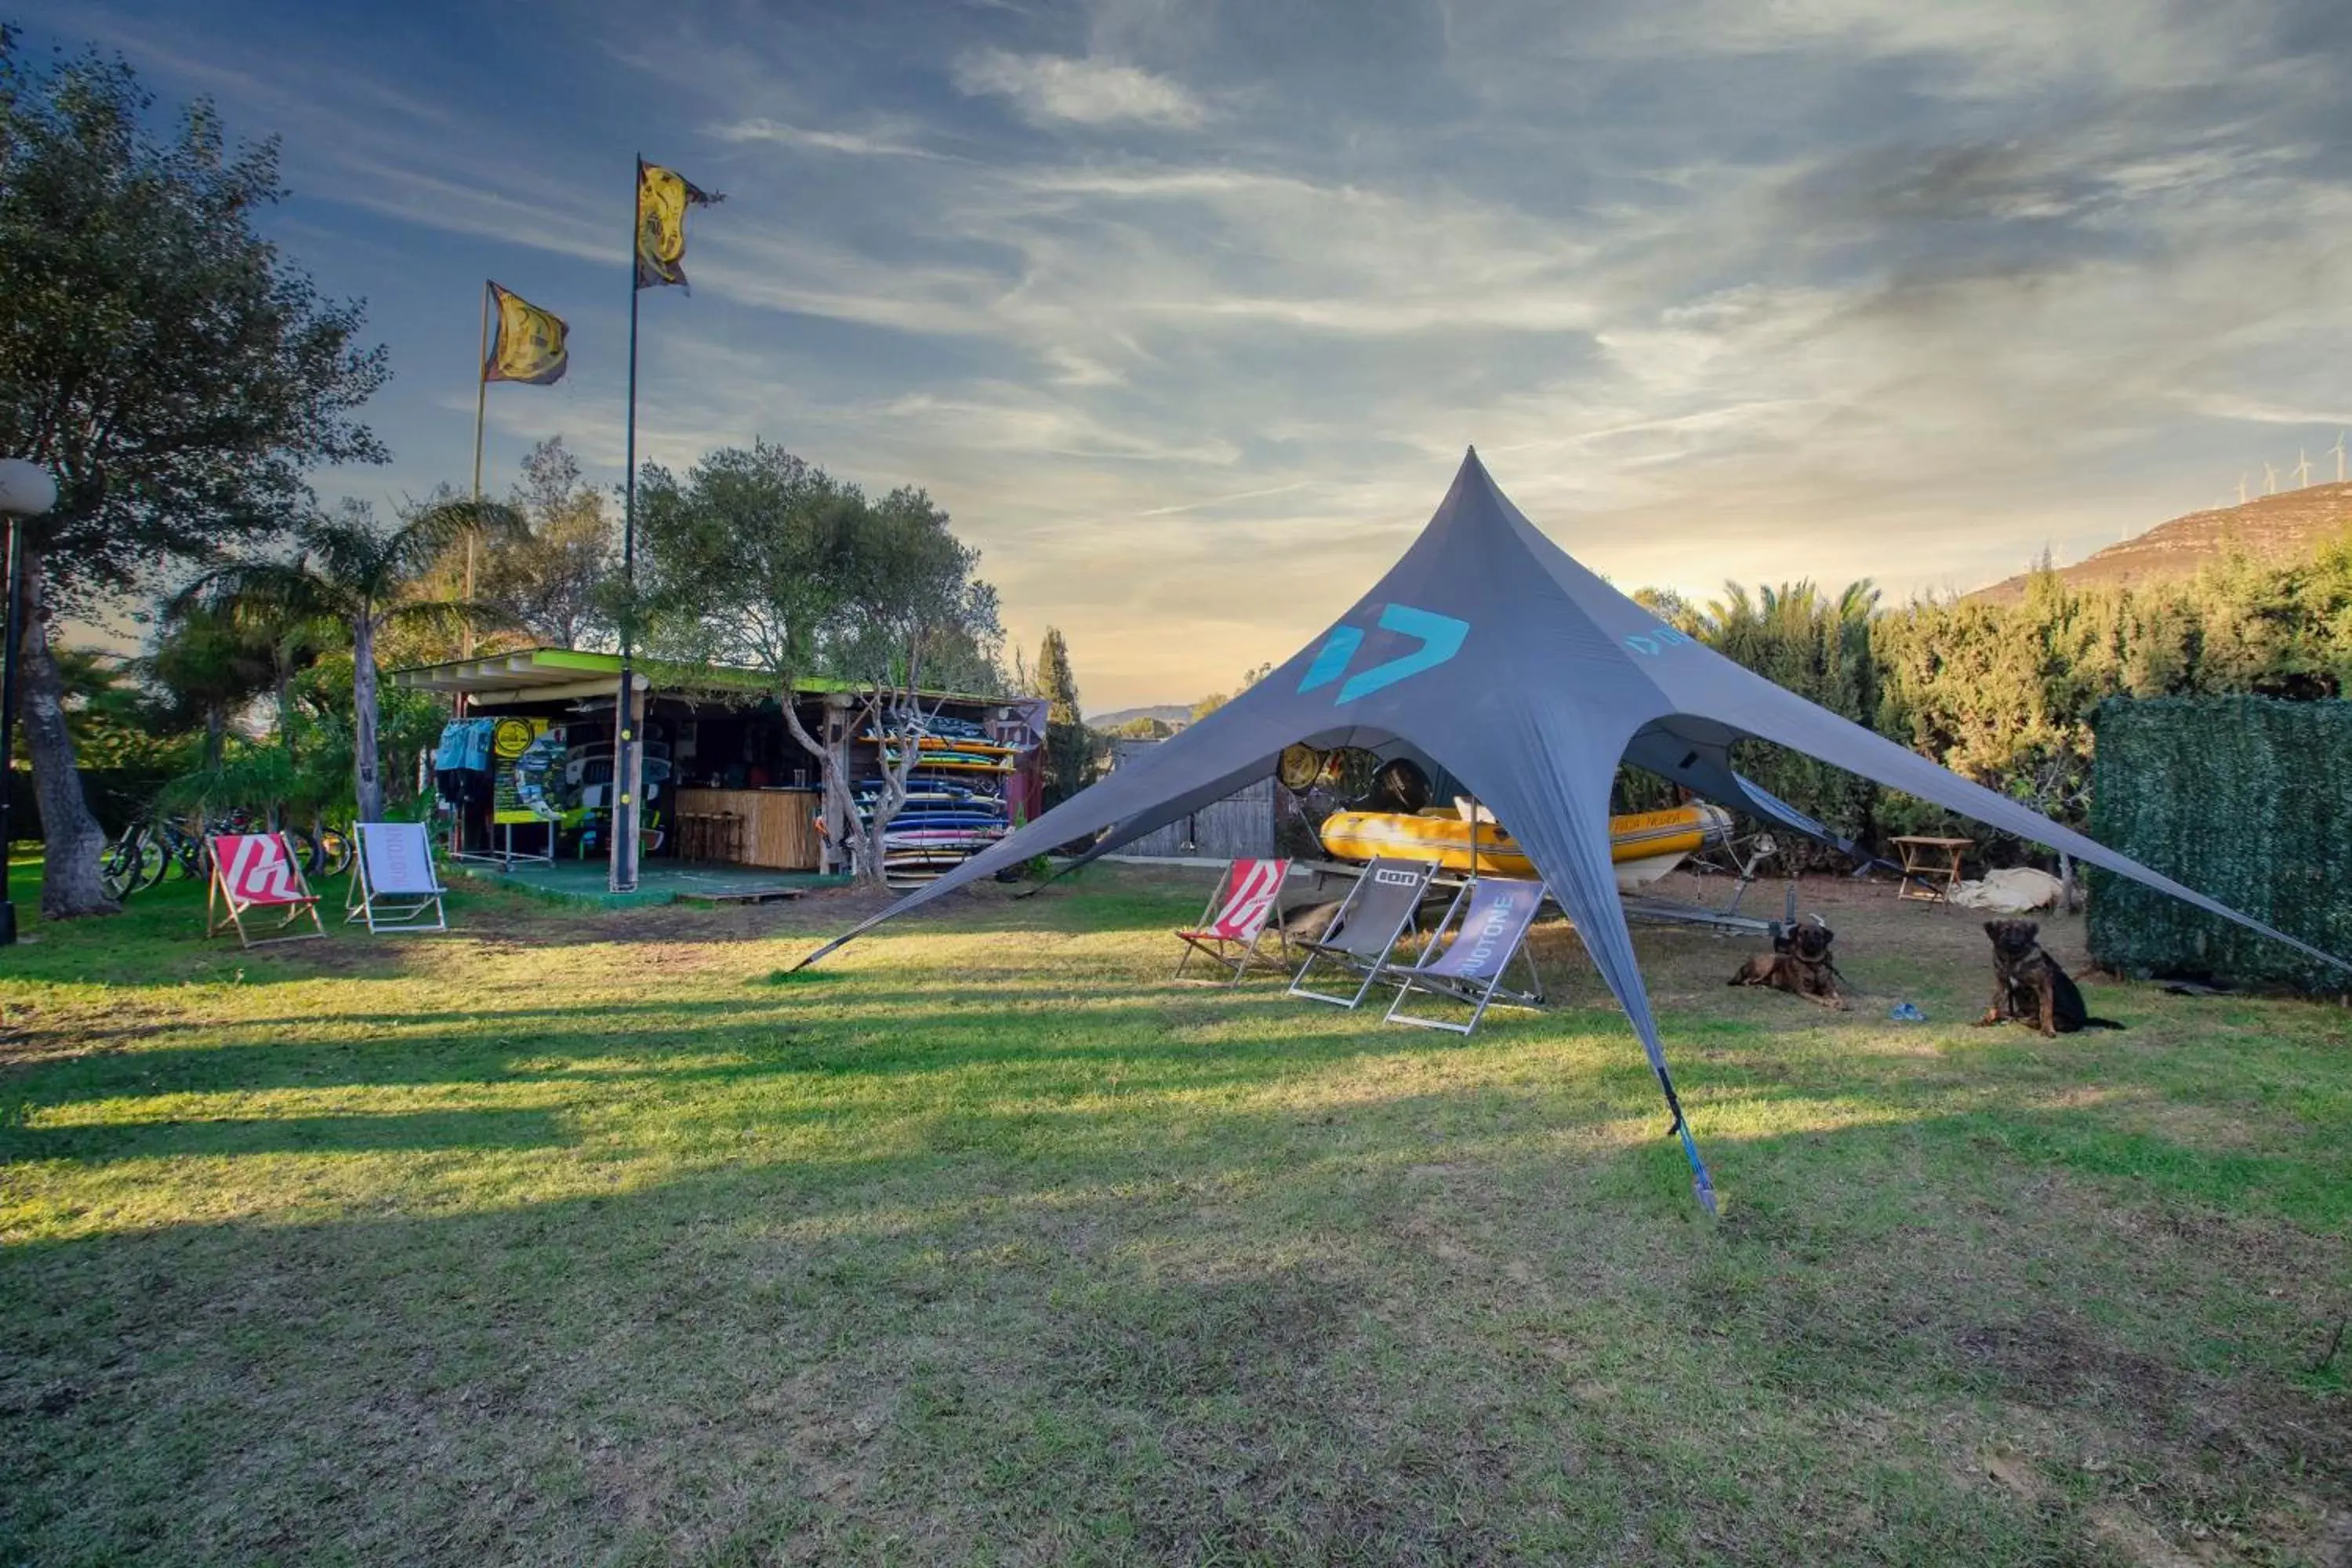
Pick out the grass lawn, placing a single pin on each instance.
(582, 1238)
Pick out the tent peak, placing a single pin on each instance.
(1470, 478)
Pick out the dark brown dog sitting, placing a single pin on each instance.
(2029, 987)
(1799, 964)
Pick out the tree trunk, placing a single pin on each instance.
(893, 795)
(838, 805)
(215, 735)
(366, 766)
(282, 687)
(71, 838)
(908, 724)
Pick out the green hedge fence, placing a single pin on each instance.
(2246, 799)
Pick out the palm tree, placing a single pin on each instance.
(210, 663)
(275, 638)
(364, 578)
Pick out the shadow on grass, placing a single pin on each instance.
(1257, 1334)
(158, 940)
(799, 978)
(99, 1143)
(1150, 1037)
(1008, 1076)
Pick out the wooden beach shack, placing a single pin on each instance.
(726, 781)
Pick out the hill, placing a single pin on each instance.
(2291, 525)
(1166, 712)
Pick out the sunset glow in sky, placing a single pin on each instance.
(1186, 312)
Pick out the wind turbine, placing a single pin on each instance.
(2338, 451)
(2241, 489)
(2270, 481)
(2302, 469)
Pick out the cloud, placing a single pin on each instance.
(2252, 411)
(474, 205)
(852, 143)
(1823, 287)
(1219, 503)
(1985, 50)
(1047, 89)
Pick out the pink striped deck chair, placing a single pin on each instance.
(257, 871)
(1233, 920)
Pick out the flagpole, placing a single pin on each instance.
(624, 876)
(481, 407)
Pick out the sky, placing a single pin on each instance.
(1186, 312)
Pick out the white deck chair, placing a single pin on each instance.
(257, 871)
(394, 887)
(1375, 912)
(1495, 913)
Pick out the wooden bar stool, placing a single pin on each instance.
(726, 837)
(1930, 865)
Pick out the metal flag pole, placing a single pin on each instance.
(482, 409)
(624, 878)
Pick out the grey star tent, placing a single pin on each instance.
(1491, 651)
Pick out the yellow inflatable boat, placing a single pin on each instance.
(1644, 846)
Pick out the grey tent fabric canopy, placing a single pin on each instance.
(1705, 773)
(1488, 647)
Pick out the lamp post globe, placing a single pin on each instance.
(26, 490)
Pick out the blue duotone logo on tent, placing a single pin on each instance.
(1650, 645)
(1440, 636)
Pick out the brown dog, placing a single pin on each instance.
(2029, 987)
(1799, 964)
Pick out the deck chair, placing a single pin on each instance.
(394, 887)
(257, 871)
(1234, 919)
(1369, 921)
(1495, 913)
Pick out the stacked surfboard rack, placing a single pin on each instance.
(955, 801)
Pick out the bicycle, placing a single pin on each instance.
(184, 852)
(332, 848)
(133, 861)
(147, 852)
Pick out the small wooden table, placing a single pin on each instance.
(1927, 862)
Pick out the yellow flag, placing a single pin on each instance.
(663, 196)
(530, 342)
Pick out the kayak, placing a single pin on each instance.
(1645, 846)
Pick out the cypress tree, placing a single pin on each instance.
(1069, 745)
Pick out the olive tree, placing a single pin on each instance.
(762, 559)
(911, 617)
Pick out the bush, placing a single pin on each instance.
(2245, 799)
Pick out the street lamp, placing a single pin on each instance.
(25, 491)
